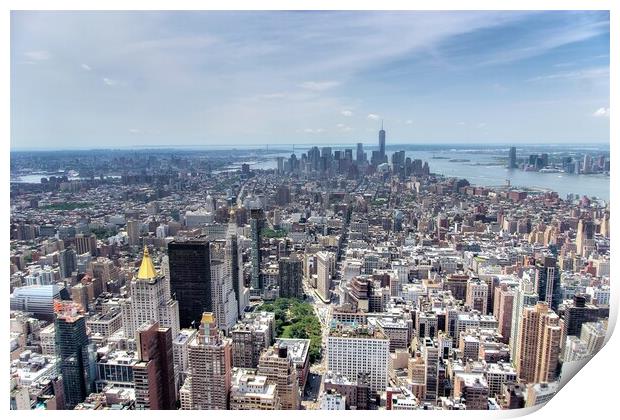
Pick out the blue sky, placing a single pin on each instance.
(110, 79)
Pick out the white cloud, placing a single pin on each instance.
(313, 130)
(86, 67)
(109, 82)
(601, 112)
(461, 123)
(374, 117)
(319, 86)
(38, 55)
(344, 128)
(347, 113)
(594, 73)
(481, 125)
(409, 122)
(135, 131)
(275, 95)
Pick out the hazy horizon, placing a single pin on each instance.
(303, 146)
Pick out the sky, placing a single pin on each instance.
(204, 78)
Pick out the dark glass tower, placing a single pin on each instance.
(382, 142)
(72, 348)
(290, 275)
(190, 279)
(512, 158)
(256, 225)
(360, 152)
(548, 282)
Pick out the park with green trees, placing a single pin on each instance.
(295, 318)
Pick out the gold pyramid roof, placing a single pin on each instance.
(147, 269)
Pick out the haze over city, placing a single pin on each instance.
(143, 79)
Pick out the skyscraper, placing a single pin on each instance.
(76, 359)
(503, 308)
(360, 153)
(512, 158)
(547, 282)
(585, 235)
(154, 374)
(577, 313)
(233, 257)
(133, 232)
(256, 226)
(210, 367)
(223, 299)
(382, 143)
(355, 351)
(190, 279)
(149, 301)
(251, 336)
(325, 262)
(290, 275)
(67, 260)
(277, 366)
(538, 347)
(477, 295)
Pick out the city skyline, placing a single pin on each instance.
(308, 210)
(191, 77)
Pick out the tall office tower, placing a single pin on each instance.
(382, 143)
(417, 375)
(325, 262)
(76, 358)
(256, 225)
(290, 277)
(524, 297)
(539, 344)
(67, 260)
(587, 164)
(276, 364)
(512, 158)
(585, 235)
(224, 304)
(180, 353)
(547, 282)
(477, 295)
(326, 159)
(577, 313)
(104, 270)
(283, 195)
(359, 157)
(234, 258)
(352, 351)
(210, 204)
(190, 279)
(251, 336)
(133, 232)
(502, 310)
(153, 375)
(593, 335)
(148, 301)
(457, 284)
(430, 354)
(252, 392)
(210, 367)
(86, 244)
(348, 155)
